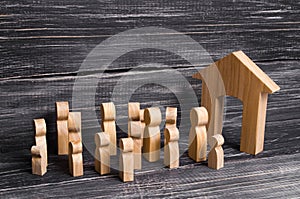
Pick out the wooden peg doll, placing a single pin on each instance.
(102, 153)
(108, 114)
(216, 154)
(198, 134)
(126, 167)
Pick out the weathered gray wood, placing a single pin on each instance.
(43, 43)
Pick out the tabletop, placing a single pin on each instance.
(44, 45)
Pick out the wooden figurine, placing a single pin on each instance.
(143, 125)
(108, 114)
(171, 116)
(74, 127)
(133, 113)
(62, 114)
(39, 165)
(171, 149)
(238, 76)
(102, 156)
(198, 137)
(135, 132)
(216, 154)
(40, 137)
(126, 160)
(151, 145)
(75, 158)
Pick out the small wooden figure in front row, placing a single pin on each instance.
(216, 154)
(75, 144)
(126, 167)
(135, 132)
(39, 151)
(108, 115)
(102, 155)
(171, 149)
(198, 137)
(75, 158)
(62, 114)
(151, 145)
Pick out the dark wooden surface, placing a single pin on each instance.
(43, 43)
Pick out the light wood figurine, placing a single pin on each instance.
(135, 132)
(171, 149)
(75, 144)
(108, 114)
(238, 76)
(39, 151)
(198, 137)
(143, 125)
(151, 145)
(75, 158)
(216, 154)
(74, 127)
(102, 156)
(126, 167)
(171, 116)
(62, 114)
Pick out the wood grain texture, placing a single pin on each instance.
(43, 43)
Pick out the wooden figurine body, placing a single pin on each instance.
(74, 127)
(108, 114)
(102, 155)
(126, 167)
(143, 125)
(216, 154)
(171, 116)
(62, 114)
(39, 151)
(135, 132)
(151, 145)
(171, 149)
(39, 165)
(75, 158)
(198, 135)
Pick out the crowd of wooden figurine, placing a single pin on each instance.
(143, 140)
(242, 79)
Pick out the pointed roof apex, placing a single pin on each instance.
(269, 85)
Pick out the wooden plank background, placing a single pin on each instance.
(43, 43)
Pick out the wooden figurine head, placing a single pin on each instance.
(74, 122)
(40, 127)
(171, 115)
(171, 134)
(142, 115)
(152, 116)
(62, 110)
(126, 145)
(102, 139)
(134, 111)
(199, 116)
(218, 140)
(75, 147)
(108, 111)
